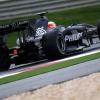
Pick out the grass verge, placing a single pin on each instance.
(49, 68)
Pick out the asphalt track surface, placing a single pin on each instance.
(53, 77)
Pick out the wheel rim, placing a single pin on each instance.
(61, 44)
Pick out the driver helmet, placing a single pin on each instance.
(51, 24)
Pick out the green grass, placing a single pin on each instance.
(89, 15)
(79, 15)
(49, 68)
(12, 39)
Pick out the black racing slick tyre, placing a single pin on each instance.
(98, 29)
(4, 59)
(54, 45)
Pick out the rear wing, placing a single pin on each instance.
(18, 26)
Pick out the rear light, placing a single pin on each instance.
(15, 52)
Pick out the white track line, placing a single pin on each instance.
(10, 74)
(78, 56)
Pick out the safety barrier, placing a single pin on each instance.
(15, 8)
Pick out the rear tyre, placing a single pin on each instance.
(54, 45)
(4, 59)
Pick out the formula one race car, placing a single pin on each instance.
(39, 39)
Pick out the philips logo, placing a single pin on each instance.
(73, 37)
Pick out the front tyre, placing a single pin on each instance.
(54, 44)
